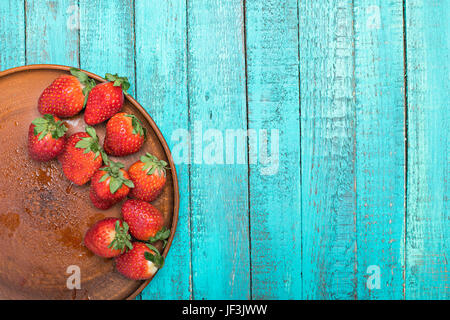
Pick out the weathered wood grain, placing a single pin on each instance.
(12, 34)
(273, 104)
(161, 75)
(219, 193)
(380, 147)
(328, 150)
(107, 38)
(52, 32)
(428, 220)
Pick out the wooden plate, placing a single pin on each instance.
(43, 216)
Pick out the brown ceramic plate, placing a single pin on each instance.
(43, 216)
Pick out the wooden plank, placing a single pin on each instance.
(162, 90)
(107, 38)
(219, 192)
(380, 148)
(428, 222)
(273, 104)
(52, 32)
(12, 34)
(328, 149)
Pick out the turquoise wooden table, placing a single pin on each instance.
(311, 137)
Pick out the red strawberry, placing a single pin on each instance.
(108, 238)
(98, 202)
(124, 135)
(82, 156)
(46, 138)
(146, 222)
(105, 99)
(66, 96)
(139, 263)
(109, 185)
(148, 176)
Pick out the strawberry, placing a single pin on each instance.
(98, 202)
(66, 95)
(146, 222)
(148, 176)
(124, 135)
(46, 138)
(105, 99)
(82, 156)
(139, 263)
(109, 185)
(108, 238)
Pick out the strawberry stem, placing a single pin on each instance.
(118, 81)
(46, 125)
(156, 258)
(122, 239)
(84, 79)
(91, 143)
(162, 235)
(138, 128)
(153, 163)
(113, 171)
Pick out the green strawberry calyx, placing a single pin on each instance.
(115, 174)
(118, 81)
(84, 79)
(122, 239)
(162, 235)
(153, 164)
(91, 143)
(46, 125)
(157, 258)
(138, 128)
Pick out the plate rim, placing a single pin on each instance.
(158, 133)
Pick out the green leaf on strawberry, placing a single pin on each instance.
(90, 144)
(117, 179)
(84, 79)
(138, 128)
(118, 81)
(105, 157)
(162, 235)
(46, 125)
(122, 239)
(156, 258)
(153, 163)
